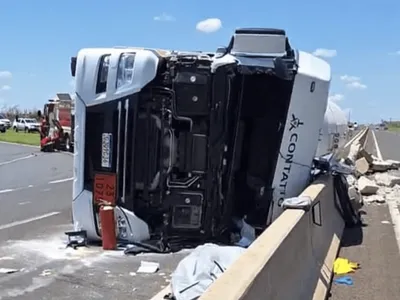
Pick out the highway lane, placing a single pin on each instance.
(374, 246)
(389, 144)
(11, 152)
(35, 199)
(32, 184)
(23, 167)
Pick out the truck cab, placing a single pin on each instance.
(181, 143)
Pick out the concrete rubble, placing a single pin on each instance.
(367, 186)
(375, 181)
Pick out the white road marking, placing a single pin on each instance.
(17, 223)
(16, 189)
(24, 203)
(6, 191)
(378, 151)
(17, 159)
(392, 205)
(23, 145)
(61, 180)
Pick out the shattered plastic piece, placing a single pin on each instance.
(347, 280)
(7, 271)
(301, 202)
(148, 267)
(343, 266)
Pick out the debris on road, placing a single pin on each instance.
(148, 267)
(347, 280)
(196, 272)
(374, 180)
(367, 186)
(6, 258)
(7, 271)
(45, 273)
(343, 266)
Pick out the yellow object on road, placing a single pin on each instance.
(343, 266)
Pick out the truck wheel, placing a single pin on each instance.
(26, 129)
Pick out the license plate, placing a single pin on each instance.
(105, 188)
(106, 150)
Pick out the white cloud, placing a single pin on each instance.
(348, 78)
(5, 75)
(356, 85)
(164, 17)
(209, 25)
(395, 53)
(322, 52)
(5, 88)
(336, 97)
(353, 82)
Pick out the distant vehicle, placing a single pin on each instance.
(3, 126)
(56, 129)
(26, 124)
(5, 121)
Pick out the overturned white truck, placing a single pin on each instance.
(186, 141)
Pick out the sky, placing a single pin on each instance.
(360, 40)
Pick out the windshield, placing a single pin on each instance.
(30, 120)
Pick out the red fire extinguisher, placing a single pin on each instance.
(108, 232)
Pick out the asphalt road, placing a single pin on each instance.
(35, 199)
(374, 246)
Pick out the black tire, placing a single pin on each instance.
(26, 130)
(16, 129)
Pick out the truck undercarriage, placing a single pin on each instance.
(195, 149)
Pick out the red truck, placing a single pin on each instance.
(57, 124)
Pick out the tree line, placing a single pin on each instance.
(11, 111)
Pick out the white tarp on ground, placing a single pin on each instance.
(196, 272)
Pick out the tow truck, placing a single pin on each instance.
(57, 124)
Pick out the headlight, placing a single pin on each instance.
(125, 69)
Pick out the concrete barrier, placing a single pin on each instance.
(293, 258)
(360, 137)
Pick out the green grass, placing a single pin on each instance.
(394, 126)
(20, 137)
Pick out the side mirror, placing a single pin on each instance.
(39, 113)
(73, 66)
